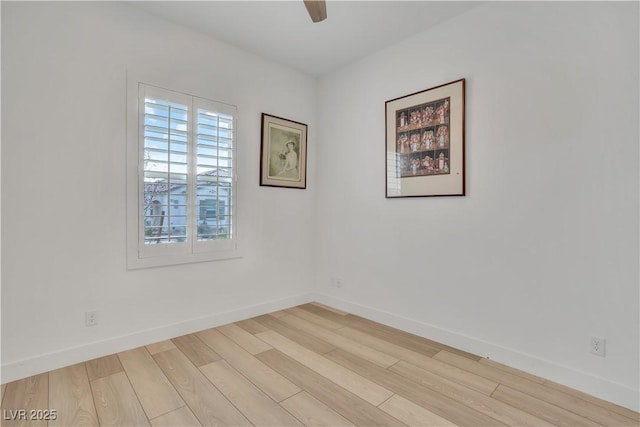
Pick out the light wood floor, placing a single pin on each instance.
(308, 365)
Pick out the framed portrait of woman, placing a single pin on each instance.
(283, 153)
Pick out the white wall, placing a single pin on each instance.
(542, 253)
(63, 185)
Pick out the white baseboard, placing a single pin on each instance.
(69, 356)
(599, 387)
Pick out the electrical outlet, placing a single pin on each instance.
(336, 283)
(91, 318)
(598, 346)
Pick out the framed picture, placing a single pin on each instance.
(283, 153)
(425, 143)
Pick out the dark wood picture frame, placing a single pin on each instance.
(283, 153)
(425, 142)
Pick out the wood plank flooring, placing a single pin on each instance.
(309, 365)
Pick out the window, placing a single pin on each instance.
(184, 187)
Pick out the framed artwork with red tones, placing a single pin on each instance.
(425, 143)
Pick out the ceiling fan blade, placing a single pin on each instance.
(317, 9)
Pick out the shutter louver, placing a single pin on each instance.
(214, 166)
(165, 168)
(186, 165)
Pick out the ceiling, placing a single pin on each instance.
(283, 32)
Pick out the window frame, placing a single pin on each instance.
(139, 254)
